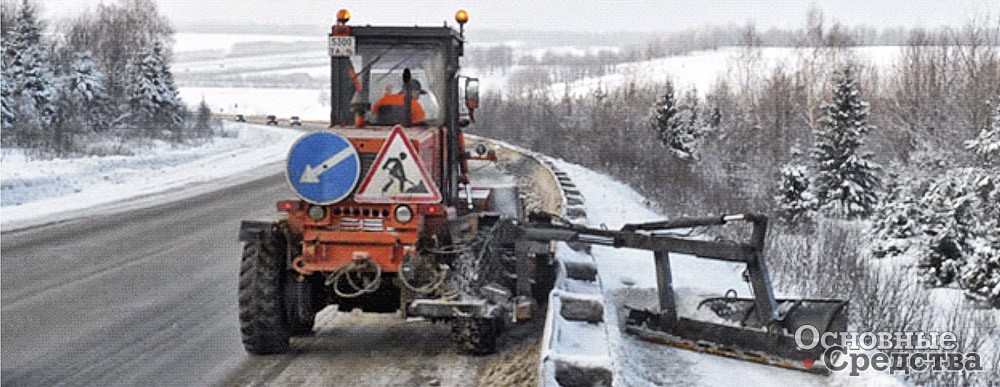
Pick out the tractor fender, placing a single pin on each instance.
(252, 231)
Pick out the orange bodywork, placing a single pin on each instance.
(351, 230)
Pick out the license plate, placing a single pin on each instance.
(342, 46)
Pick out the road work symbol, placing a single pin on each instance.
(323, 168)
(396, 171)
(397, 175)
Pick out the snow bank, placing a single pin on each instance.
(701, 69)
(38, 191)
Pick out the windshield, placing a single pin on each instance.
(380, 68)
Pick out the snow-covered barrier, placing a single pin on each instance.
(575, 344)
(574, 349)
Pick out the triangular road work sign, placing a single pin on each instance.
(397, 175)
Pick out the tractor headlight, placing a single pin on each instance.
(317, 213)
(403, 214)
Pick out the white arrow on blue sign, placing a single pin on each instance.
(323, 168)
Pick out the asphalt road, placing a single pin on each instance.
(148, 297)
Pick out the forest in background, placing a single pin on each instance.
(880, 182)
(102, 80)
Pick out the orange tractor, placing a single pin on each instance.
(388, 221)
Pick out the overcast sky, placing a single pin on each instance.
(570, 15)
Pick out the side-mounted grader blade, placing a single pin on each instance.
(759, 329)
(772, 344)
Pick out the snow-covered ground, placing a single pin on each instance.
(39, 191)
(702, 69)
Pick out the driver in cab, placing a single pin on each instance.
(389, 108)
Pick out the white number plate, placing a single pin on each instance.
(342, 46)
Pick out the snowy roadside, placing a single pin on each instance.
(35, 192)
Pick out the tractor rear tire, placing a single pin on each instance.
(477, 336)
(546, 270)
(262, 313)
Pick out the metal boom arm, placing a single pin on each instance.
(650, 236)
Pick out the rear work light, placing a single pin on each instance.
(289, 205)
(434, 209)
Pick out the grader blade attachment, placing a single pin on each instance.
(739, 334)
(759, 329)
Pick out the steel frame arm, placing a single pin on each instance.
(649, 236)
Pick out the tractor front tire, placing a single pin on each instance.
(262, 313)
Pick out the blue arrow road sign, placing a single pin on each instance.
(323, 168)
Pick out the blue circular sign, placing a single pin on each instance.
(323, 168)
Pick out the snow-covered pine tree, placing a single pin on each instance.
(980, 276)
(203, 119)
(86, 95)
(153, 103)
(7, 95)
(673, 125)
(27, 66)
(142, 92)
(697, 120)
(987, 144)
(955, 210)
(895, 221)
(943, 232)
(180, 111)
(795, 199)
(846, 182)
(665, 113)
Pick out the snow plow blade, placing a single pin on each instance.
(741, 335)
(759, 329)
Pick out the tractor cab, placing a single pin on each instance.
(383, 77)
(390, 72)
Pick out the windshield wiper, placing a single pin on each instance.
(378, 57)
